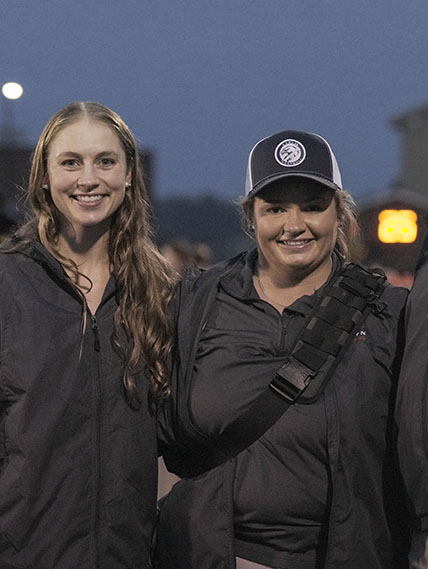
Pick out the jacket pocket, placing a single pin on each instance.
(195, 527)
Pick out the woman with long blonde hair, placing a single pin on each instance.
(85, 337)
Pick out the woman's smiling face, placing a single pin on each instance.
(295, 225)
(86, 174)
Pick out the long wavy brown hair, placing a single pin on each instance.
(144, 279)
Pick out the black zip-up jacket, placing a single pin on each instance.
(78, 464)
(365, 528)
(412, 400)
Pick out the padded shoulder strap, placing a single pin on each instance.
(328, 331)
(319, 346)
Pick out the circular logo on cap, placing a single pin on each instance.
(290, 153)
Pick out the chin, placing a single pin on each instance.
(297, 263)
(300, 265)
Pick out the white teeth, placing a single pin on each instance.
(89, 198)
(295, 243)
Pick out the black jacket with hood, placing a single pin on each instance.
(196, 520)
(78, 464)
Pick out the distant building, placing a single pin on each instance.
(413, 127)
(14, 169)
(390, 210)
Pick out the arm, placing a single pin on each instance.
(418, 556)
(412, 417)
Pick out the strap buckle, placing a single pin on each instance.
(291, 380)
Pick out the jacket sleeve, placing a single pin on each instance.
(166, 413)
(412, 405)
(167, 417)
(418, 556)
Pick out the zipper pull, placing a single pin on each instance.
(95, 330)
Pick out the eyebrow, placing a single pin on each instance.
(78, 155)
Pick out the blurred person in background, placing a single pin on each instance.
(412, 413)
(284, 374)
(84, 341)
(182, 253)
(204, 256)
(178, 252)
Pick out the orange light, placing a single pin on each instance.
(397, 226)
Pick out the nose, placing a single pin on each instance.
(88, 178)
(294, 221)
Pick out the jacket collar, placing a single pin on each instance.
(39, 254)
(238, 281)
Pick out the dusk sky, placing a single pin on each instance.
(199, 81)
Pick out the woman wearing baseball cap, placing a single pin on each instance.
(285, 367)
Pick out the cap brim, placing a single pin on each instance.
(268, 180)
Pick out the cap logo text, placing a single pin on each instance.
(290, 153)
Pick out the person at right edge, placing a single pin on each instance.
(285, 375)
(412, 413)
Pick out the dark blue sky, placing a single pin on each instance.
(200, 81)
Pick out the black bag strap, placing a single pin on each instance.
(320, 345)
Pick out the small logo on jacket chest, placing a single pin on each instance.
(360, 336)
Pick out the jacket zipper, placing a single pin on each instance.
(97, 458)
(282, 337)
(95, 330)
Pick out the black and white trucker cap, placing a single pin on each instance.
(291, 153)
